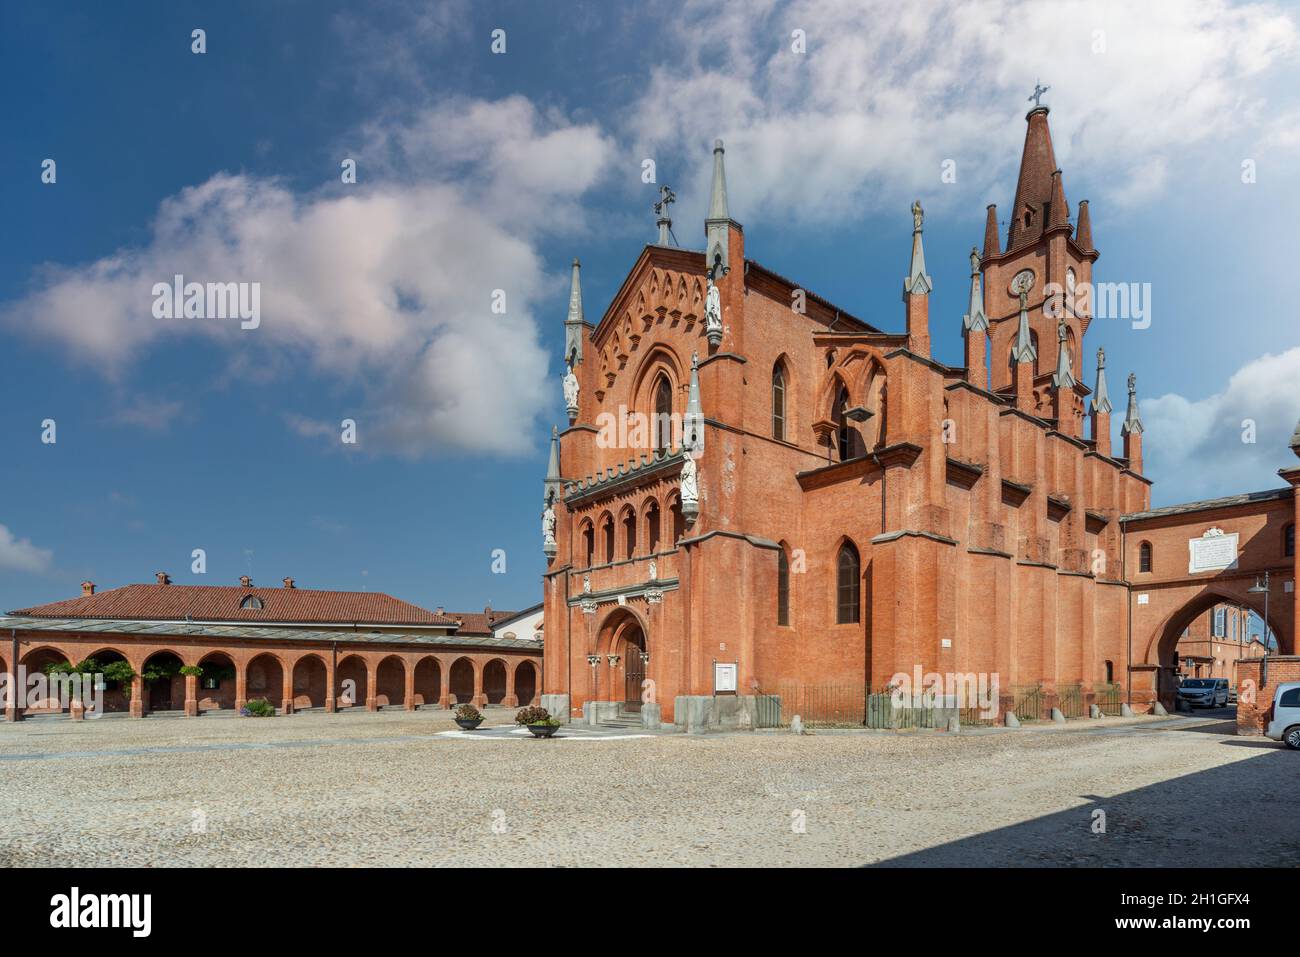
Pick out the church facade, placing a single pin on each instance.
(757, 490)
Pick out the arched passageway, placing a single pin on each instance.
(623, 635)
(351, 683)
(216, 686)
(494, 681)
(310, 683)
(461, 681)
(428, 682)
(390, 683)
(41, 695)
(164, 685)
(265, 679)
(525, 683)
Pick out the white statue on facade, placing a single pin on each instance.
(586, 584)
(548, 527)
(713, 310)
(570, 390)
(689, 482)
(654, 570)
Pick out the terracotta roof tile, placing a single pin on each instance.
(222, 603)
(478, 623)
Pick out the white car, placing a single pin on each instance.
(1204, 692)
(1285, 726)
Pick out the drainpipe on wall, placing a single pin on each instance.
(1128, 590)
(13, 671)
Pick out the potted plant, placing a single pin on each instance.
(538, 721)
(468, 717)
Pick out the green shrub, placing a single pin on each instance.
(258, 708)
(195, 671)
(467, 712)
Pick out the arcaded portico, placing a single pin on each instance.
(195, 662)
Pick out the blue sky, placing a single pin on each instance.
(479, 171)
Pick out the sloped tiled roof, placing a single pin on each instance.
(1245, 498)
(221, 603)
(478, 623)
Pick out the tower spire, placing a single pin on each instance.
(1058, 212)
(992, 245)
(975, 328)
(1083, 235)
(1034, 186)
(573, 322)
(551, 489)
(916, 290)
(1132, 428)
(693, 422)
(1025, 356)
(1101, 408)
(717, 225)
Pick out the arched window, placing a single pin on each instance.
(778, 402)
(652, 528)
(1144, 557)
(662, 428)
(251, 602)
(1288, 541)
(589, 543)
(629, 532)
(782, 588)
(848, 586)
(608, 530)
(844, 430)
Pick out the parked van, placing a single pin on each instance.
(1204, 692)
(1285, 726)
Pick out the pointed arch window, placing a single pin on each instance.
(782, 588)
(589, 544)
(679, 521)
(652, 528)
(848, 585)
(844, 430)
(662, 428)
(778, 402)
(629, 532)
(1144, 557)
(608, 530)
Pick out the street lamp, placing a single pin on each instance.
(1261, 587)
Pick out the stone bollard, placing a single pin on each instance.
(1011, 720)
(1125, 711)
(796, 725)
(1159, 711)
(1094, 711)
(1057, 716)
(954, 724)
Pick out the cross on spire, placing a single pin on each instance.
(664, 221)
(1037, 95)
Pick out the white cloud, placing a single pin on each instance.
(20, 555)
(1193, 448)
(388, 283)
(888, 91)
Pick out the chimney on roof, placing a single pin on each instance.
(438, 610)
(246, 581)
(87, 589)
(163, 578)
(288, 583)
(487, 610)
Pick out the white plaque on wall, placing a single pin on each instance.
(724, 677)
(1212, 552)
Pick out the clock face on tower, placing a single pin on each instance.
(1022, 282)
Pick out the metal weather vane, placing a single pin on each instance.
(1037, 95)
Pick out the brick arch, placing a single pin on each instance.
(661, 358)
(356, 669)
(604, 552)
(527, 681)
(792, 404)
(1159, 644)
(428, 680)
(390, 682)
(222, 697)
(309, 681)
(495, 681)
(613, 629)
(34, 661)
(264, 678)
(461, 680)
(626, 539)
(650, 518)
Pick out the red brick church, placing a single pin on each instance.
(758, 489)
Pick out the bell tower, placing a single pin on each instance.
(1044, 272)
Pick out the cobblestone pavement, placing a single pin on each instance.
(408, 789)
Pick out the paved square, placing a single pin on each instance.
(399, 788)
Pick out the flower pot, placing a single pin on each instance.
(469, 725)
(543, 730)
